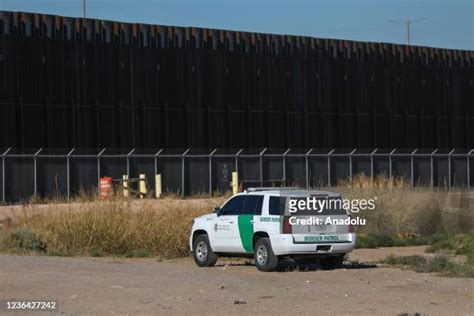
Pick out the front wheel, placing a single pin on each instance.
(265, 259)
(202, 252)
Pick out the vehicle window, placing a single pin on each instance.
(234, 206)
(258, 208)
(253, 205)
(276, 205)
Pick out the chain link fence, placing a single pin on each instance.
(65, 173)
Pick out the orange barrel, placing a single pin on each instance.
(105, 186)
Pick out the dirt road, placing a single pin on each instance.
(146, 286)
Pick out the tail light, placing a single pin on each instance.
(286, 227)
(351, 227)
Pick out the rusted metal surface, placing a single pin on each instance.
(88, 83)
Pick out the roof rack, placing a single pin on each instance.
(271, 189)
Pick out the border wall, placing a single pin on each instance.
(73, 82)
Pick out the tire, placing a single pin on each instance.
(265, 259)
(331, 263)
(202, 252)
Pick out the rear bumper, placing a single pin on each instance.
(285, 245)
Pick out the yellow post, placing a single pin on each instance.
(235, 182)
(142, 185)
(158, 186)
(126, 193)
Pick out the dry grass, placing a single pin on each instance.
(161, 227)
(417, 211)
(401, 209)
(380, 181)
(108, 228)
(83, 196)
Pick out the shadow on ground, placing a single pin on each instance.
(288, 265)
(292, 265)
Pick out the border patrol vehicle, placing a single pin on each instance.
(258, 223)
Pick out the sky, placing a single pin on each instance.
(448, 24)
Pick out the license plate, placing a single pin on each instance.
(321, 238)
(322, 229)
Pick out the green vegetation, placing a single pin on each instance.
(137, 253)
(457, 244)
(376, 240)
(96, 253)
(22, 240)
(438, 264)
(461, 244)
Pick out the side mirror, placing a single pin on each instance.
(217, 210)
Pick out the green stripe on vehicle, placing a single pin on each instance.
(246, 231)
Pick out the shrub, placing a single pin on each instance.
(414, 261)
(109, 228)
(438, 264)
(23, 240)
(96, 253)
(460, 244)
(376, 240)
(137, 253)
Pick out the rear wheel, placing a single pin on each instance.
(265, 259)
(202, 252)
(331, 263)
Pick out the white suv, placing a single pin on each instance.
(258, 223)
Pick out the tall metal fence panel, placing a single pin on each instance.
(49, 173)
(74, 82)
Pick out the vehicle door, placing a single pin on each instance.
(246, 221)
(226, 230)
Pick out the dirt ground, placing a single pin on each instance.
(147, 286)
